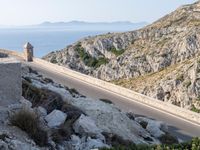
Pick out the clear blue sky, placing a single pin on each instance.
(22, 12)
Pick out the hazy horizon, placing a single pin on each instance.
(76, 22)
(32, 12)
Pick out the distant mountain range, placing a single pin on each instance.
(81, 25)
(89, 23)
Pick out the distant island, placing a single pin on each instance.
(82, 25)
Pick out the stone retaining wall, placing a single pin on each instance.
(10, 81)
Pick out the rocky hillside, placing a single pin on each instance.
(167, 43)
(51, 116)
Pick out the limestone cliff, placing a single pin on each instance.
(167, 43)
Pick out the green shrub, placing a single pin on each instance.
(187, 83)
(180, 77)
(195, 109)
(194, 144)
(198, 98)
(88, 59)
(54, 61)
(116, 52)
(168, 139)
(29, 122)
(101, 61)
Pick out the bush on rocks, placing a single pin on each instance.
(29, 122)
(41, 97)
(168, 139)
(194, 144)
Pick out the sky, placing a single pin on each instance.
(28, 12)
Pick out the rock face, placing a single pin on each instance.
(168, 42)
(75, 122)
(10, 81)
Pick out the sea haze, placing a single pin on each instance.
(50, 37)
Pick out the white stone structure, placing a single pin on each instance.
(10, 81)
(28, 52)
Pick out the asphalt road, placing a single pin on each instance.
(183, 129)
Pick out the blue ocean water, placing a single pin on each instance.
(44, 40)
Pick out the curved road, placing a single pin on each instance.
(183, 129)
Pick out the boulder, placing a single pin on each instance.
(55, 118)
(85, 126)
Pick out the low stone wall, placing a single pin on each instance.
(11, 53)
(10, 81)
(133, 96)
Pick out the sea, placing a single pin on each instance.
(44, 40)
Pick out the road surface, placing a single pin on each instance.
(183, 129)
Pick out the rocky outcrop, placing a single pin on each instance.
(168, 42)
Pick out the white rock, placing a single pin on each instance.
(55, 118)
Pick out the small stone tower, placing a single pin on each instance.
(28, 52)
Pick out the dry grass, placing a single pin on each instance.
(29, 122)
(150, 79)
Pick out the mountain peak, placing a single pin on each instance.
(184, 16)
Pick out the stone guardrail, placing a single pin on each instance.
(12, 53)
(131, 95)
